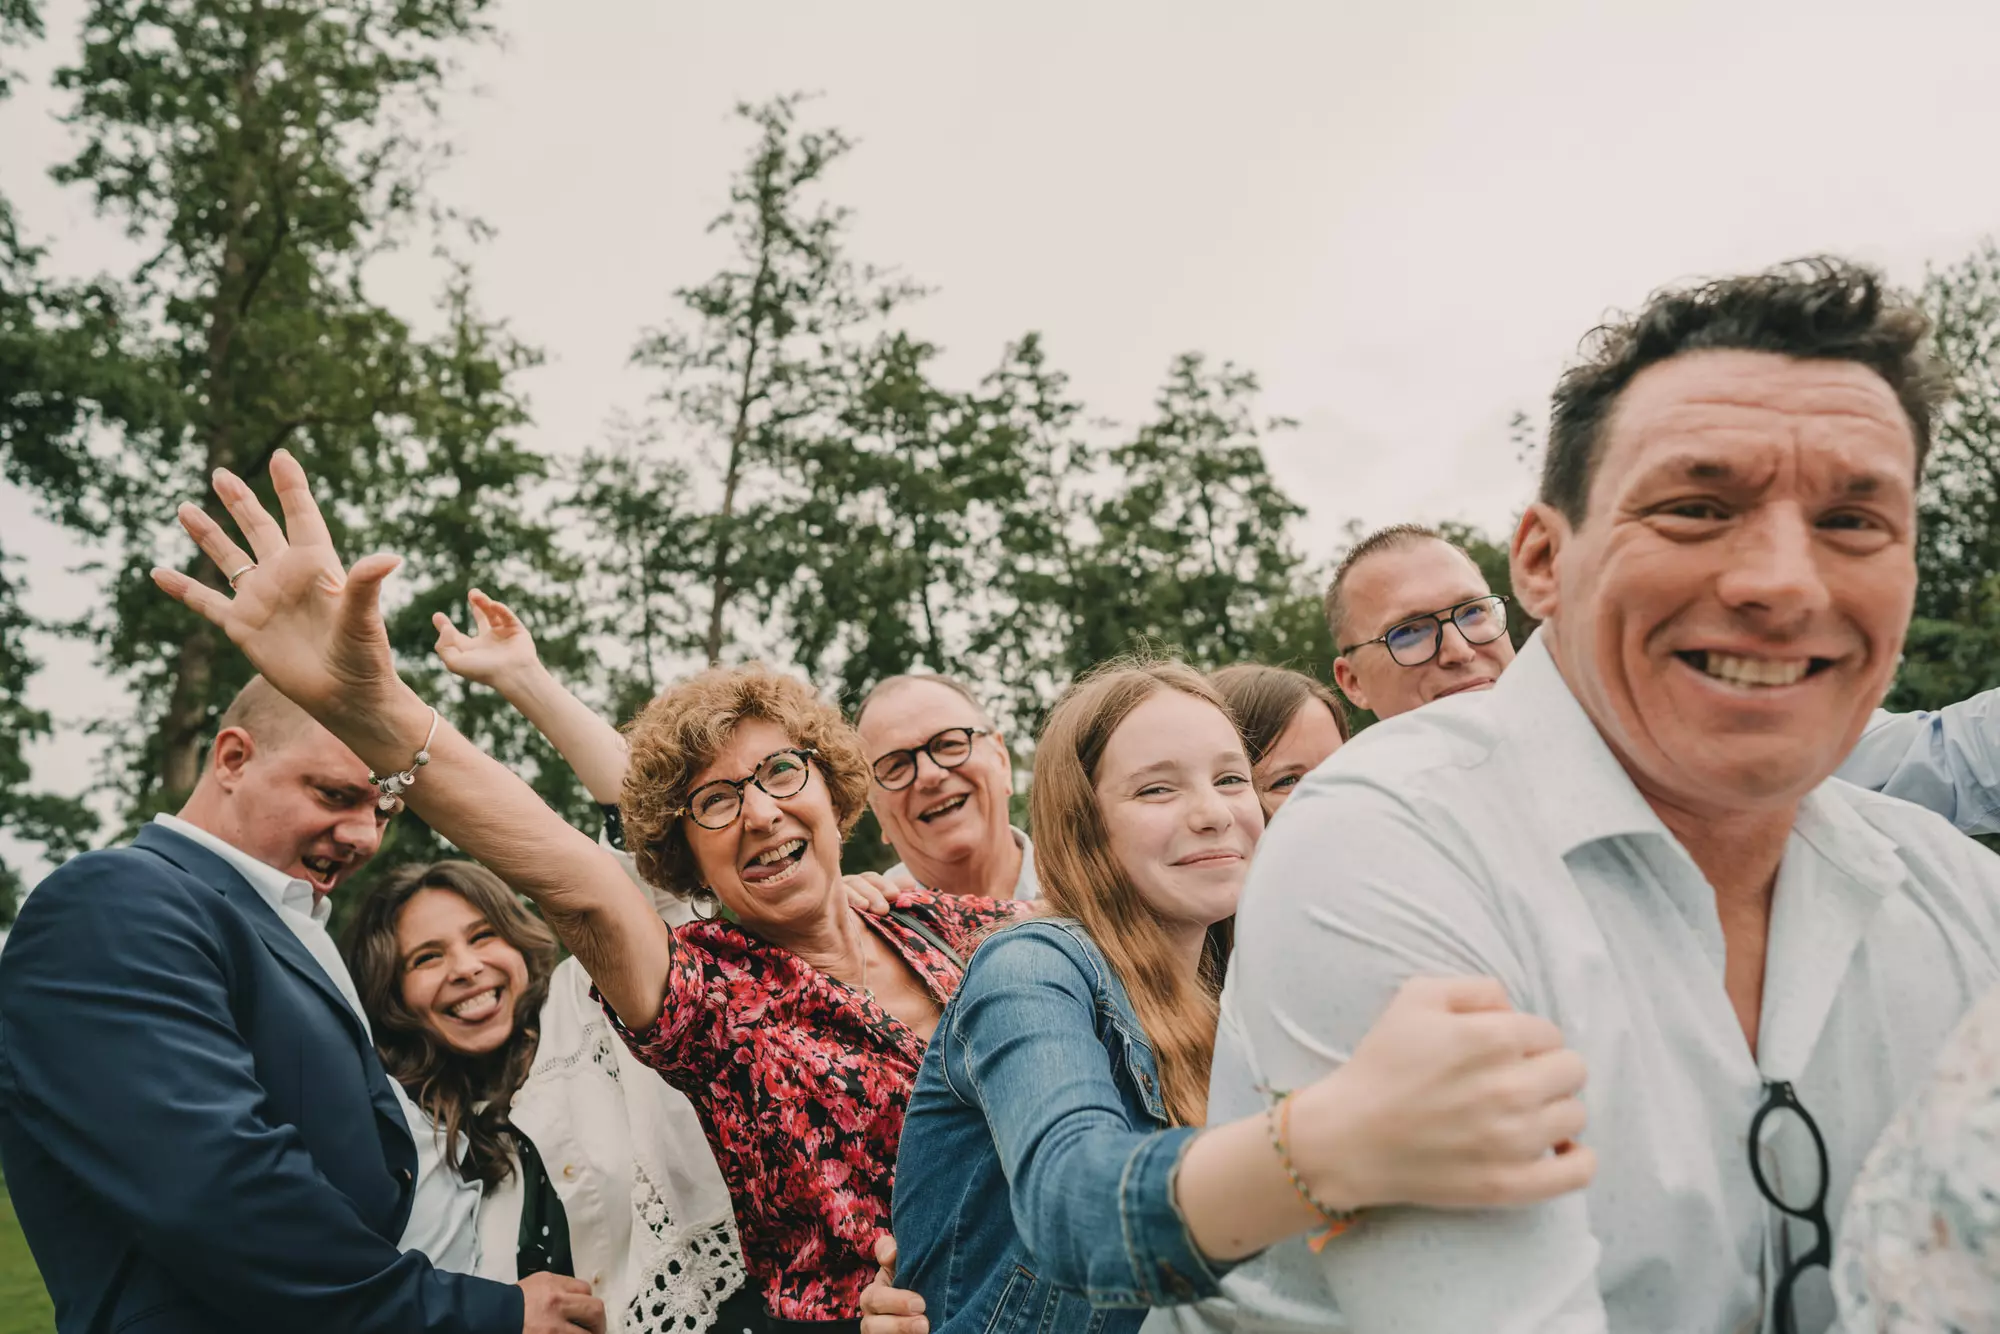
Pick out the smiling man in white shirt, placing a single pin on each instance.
(1634, 830)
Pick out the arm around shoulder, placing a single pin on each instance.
(1325, 944)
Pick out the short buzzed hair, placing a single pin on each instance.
(1395, 537)
(271, 720)
(889, 684)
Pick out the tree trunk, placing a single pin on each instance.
(720, 587)
(181, 728)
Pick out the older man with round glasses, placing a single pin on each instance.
(941, 786)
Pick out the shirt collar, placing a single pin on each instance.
(281, 891)
(1583, 794)
(1025, 884)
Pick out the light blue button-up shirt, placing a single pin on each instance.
(1947, 761)
(1496, 834)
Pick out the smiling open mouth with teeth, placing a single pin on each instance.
(323, 869)
(478, 1007)
(943, 808)
(1757, 672)
(774, 863)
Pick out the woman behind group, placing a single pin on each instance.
(1290, 724)
(588, 1166)
(1052, 1160)
(797, 1029)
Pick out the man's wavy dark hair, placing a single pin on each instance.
(1819, 309)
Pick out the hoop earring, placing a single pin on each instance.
(701, 896)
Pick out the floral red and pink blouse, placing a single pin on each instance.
(800, 1082)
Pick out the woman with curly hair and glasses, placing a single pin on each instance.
(796, 1029)
(578, 1160)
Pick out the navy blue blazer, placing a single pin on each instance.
(196, 1131)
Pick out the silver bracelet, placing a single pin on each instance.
(395, 785)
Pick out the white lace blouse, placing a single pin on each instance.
(650, 1223)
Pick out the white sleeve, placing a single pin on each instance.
(444, 1206)
(1349, 896)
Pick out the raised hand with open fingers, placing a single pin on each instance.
(311, 626)
(499, 651)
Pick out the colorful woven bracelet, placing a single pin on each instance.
(1278, 1120)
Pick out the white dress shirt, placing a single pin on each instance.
(1947, 761)
(1025, 884)
(444, 1211)
(1495, 834)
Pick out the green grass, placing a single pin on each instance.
(24, 1303)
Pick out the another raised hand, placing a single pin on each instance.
(501, 653)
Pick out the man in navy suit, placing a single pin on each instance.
(195, 1127)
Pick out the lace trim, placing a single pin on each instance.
(689, 1272)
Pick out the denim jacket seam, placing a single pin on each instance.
(1207, 1268)
(1142, 1288)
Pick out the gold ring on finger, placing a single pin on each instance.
(240, 573)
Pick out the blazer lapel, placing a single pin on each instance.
(226, 880)
(398, 1147)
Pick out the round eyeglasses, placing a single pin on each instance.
(948, 749)
(780, 774)
(1803, 1199)
(1414, 642)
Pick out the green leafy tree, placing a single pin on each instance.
(456, 496)
(641, 586)
(261, 151)
(1953, 649)
(60, 826)
(753, 359)
(44, 355)
(1193, 551)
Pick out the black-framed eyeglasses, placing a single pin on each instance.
(782, 773)
(1790, 1198)
(1414, 642)
(948, 749)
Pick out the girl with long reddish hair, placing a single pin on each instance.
(1053, 1161)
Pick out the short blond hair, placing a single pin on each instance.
(682, 731)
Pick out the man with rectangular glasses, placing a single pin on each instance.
(1633, 830)
(940, 786)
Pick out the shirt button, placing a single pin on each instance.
(597, 1279)
(569, 1170)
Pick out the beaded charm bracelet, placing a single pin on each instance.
(1278, 1120)
(395, 785)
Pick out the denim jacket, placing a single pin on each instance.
(1034, 1183)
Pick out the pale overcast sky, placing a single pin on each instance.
(1402, 216)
